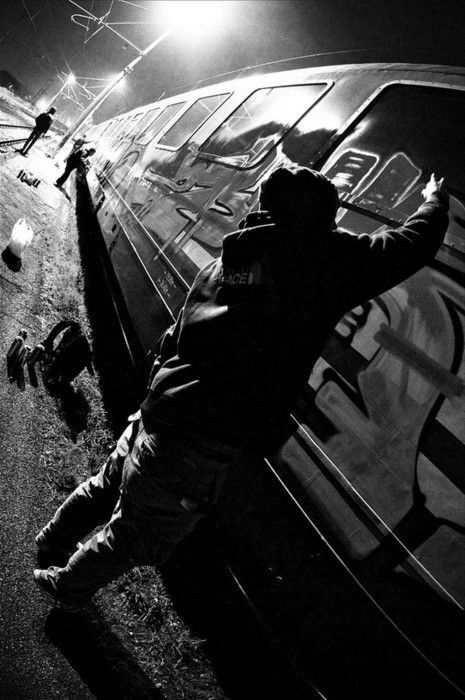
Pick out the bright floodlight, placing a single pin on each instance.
(196, 18)
(120, 86)
(71, 79)
(42, 103)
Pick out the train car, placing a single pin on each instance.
(376, 461)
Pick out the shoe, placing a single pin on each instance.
(44, 579)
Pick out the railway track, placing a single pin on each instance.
(13, 133)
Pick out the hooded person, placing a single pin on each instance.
(76, 159)
(229, 372)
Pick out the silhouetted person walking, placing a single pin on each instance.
(73, 161)
(43, 122)
(229, 372)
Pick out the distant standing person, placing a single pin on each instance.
(43, 122)
(74, 160)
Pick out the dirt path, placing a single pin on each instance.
(30, 666)
(133, 640)
(129, 640)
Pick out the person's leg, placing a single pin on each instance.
(164, 486)
(92, 502)
(62, 179)
(28, 143)
(36, 137)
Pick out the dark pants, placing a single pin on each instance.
(31, 139)
(68, 170)
(150, 493)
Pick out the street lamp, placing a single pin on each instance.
(195, 19)
(189, 15)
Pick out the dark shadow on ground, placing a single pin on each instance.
(72, 404)
(73, 408)
(12, 262)
(107, 668)
(249, 664)
(15, 373)
(122, 386)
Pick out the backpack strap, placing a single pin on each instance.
(56, 330)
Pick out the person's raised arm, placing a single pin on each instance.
(386, 259)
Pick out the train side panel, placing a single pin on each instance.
(376, 460)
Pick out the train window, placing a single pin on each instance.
(145, 121)
(387, 155)
(159, 122)
(128, 131)
(260, 123)
(120, 124)
(110, 129)
(191, 120)
(123, 127)
(106, 129)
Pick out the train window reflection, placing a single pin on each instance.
(120, 124)
(261, 122)
(113, 128)
(106, 130)
(191, 120)
(128, 131)
(386, 157)
(159, 122)
(145, 121)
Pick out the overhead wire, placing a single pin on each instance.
(17, 21)
(16, 41)
(57, 40)
(127, 2)
(38, 40)
(87, 28)
(70, 87)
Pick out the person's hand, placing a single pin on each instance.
(433, 186)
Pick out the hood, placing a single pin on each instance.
(259, 232)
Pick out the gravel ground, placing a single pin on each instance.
(31, 667)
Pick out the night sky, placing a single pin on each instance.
(252, 33)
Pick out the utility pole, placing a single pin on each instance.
(90, 109)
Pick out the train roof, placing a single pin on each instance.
(450, 74)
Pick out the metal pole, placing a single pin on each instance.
(109, 88)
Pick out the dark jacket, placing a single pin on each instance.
(43, 122)
(256, 320)
(75, 158)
